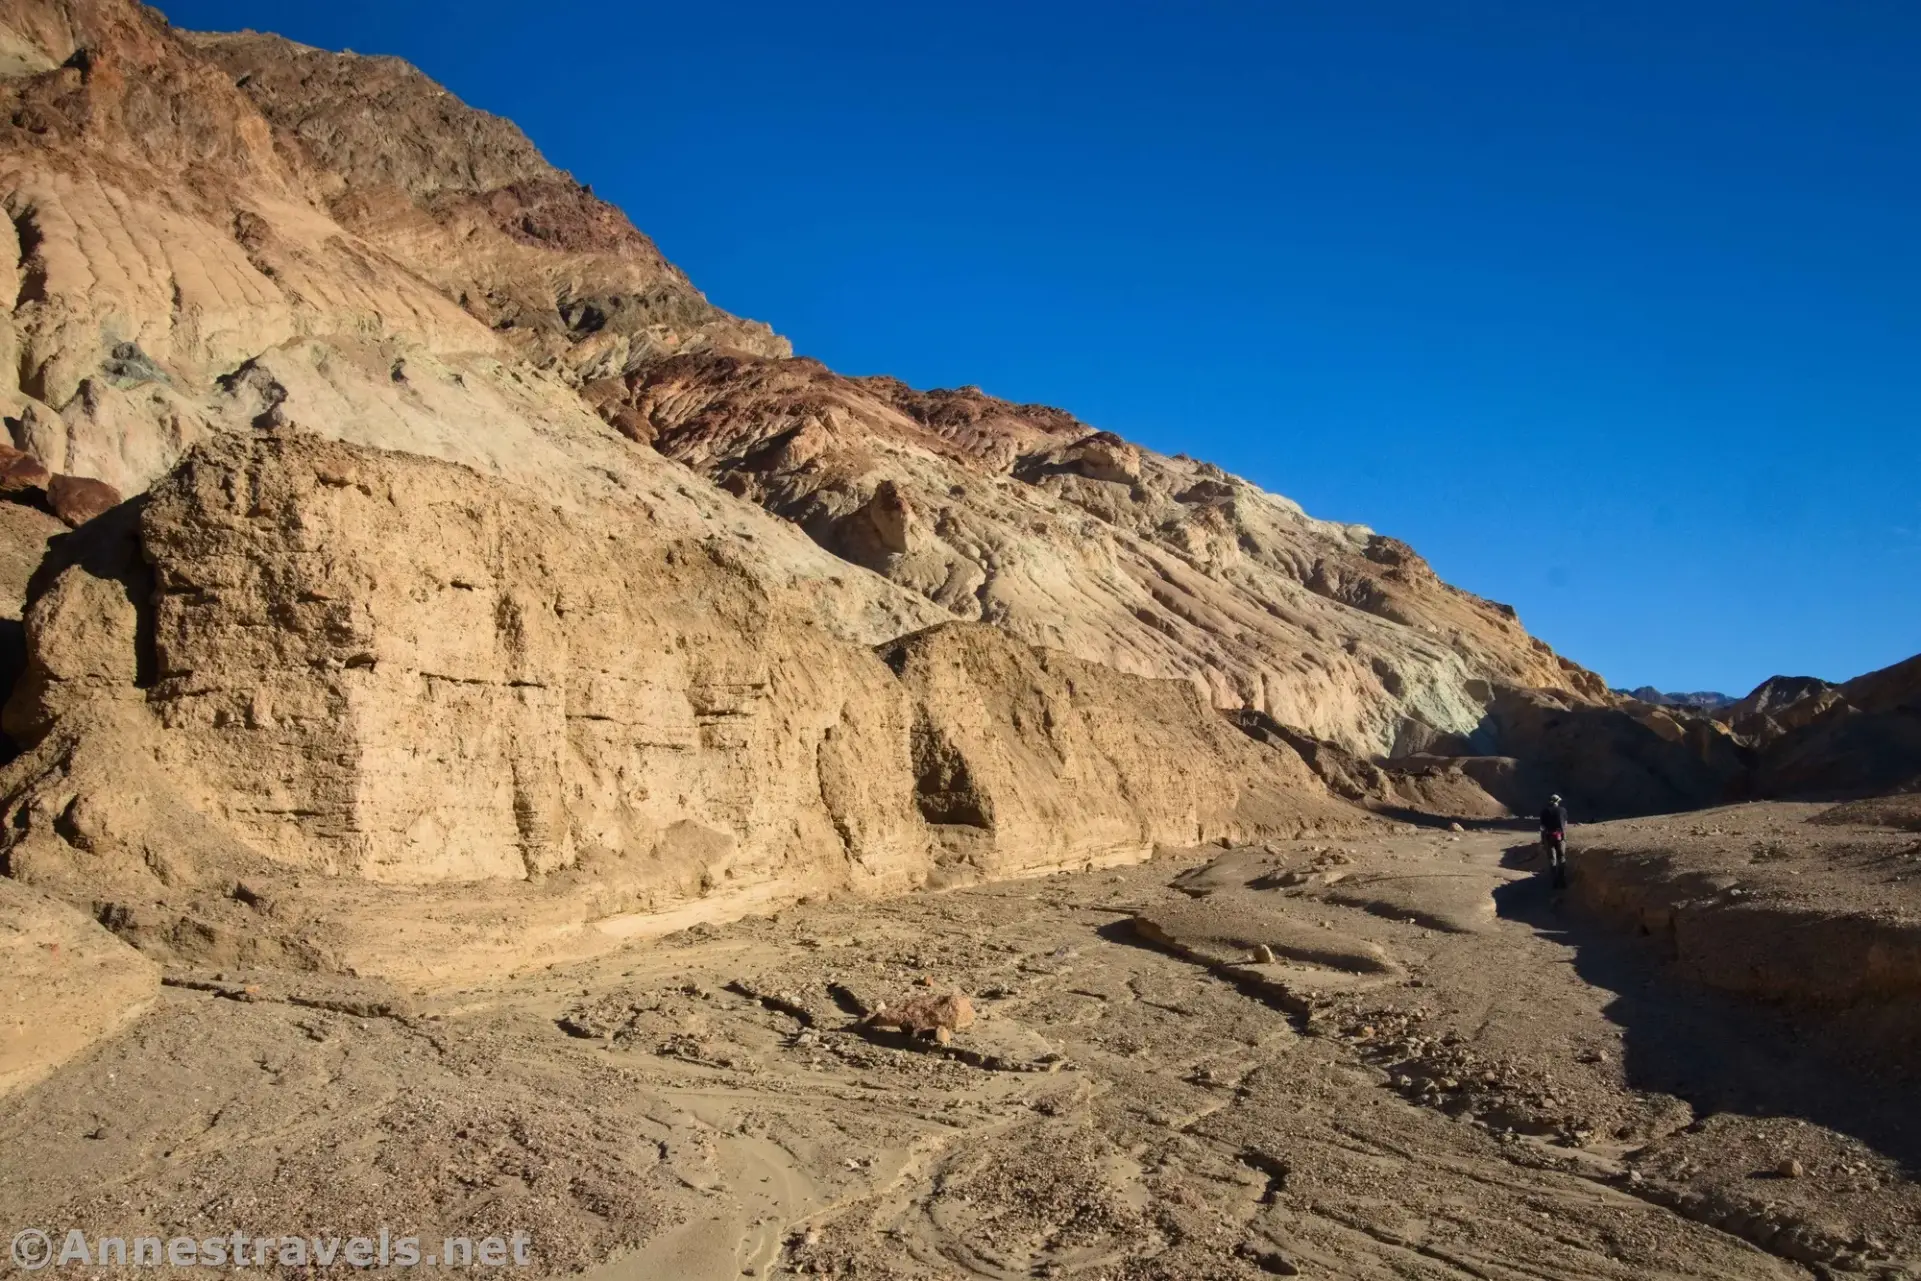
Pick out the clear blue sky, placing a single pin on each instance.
(1612, 309)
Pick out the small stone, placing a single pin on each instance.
(922, 1015)
(1791, 1169)
(78, 499)
(20, 470)
(1261, 955)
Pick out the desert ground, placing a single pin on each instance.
(1438, 1067)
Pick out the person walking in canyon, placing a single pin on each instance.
(1554, 839)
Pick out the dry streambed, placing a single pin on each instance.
(1319, 1060)
(1589, 1111)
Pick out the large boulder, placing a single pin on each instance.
(20, 471)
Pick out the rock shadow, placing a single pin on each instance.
(1442, 822)
(1524, 856)
(1718, 1052)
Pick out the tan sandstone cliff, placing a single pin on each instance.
(300, 662)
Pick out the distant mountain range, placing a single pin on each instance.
(1707, 700)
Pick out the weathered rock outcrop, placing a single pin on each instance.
(468, 202)
(393, 669)
(1749, 903)
(1792, 738)
(25, 532)
(235, 234)
(1026, 758)
(1426, 784)
(345, 243)
(1861, 738)
(1023, 517)
(176, 255)
(299, 658)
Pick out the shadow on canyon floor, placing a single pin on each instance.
(1718, 1053)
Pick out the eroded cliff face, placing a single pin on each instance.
(299, 657)
(467, 201)
(1068, 537)
(224, 233)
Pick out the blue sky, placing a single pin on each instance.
(1612, 310)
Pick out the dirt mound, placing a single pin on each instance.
(67, 983)
(1903, 813)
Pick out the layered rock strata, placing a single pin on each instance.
(298, 657)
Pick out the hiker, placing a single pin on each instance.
(1554, 839)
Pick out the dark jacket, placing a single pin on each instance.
(1554, 818)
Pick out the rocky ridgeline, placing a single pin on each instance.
(1076, 539)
